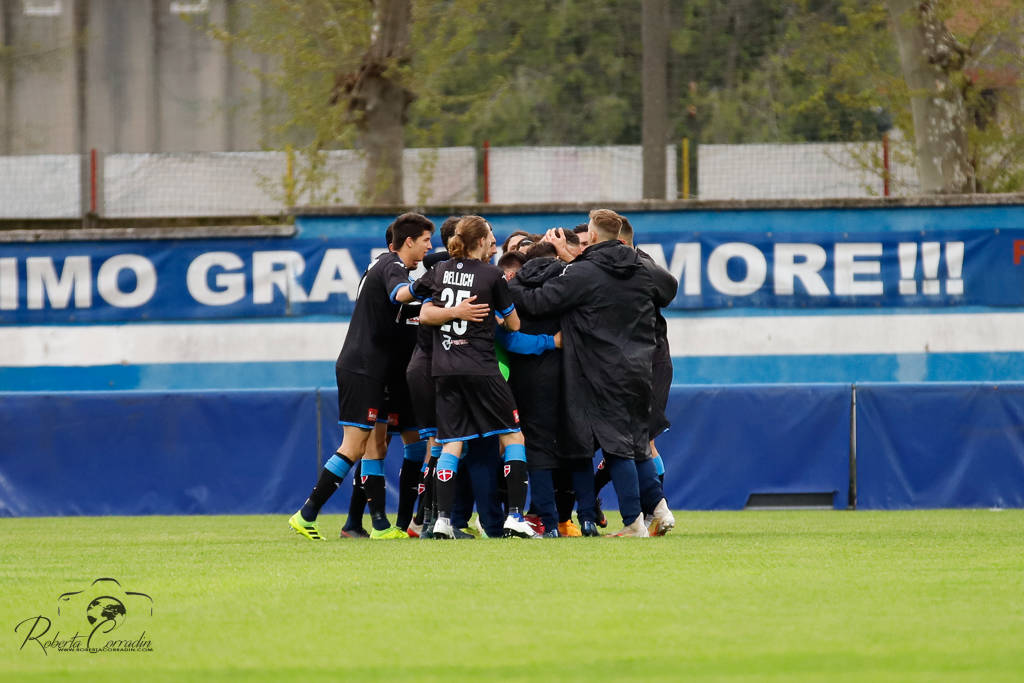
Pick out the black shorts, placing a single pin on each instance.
(471, 406)
(396, 409)
(360, 398)
(422, 392)
(658, 422)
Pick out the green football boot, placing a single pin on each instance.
(387, 534)
(310, 530)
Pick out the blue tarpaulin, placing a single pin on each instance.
(139, 453)
(727, 442)
(940, 445)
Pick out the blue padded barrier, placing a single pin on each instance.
(940, 445)
(727, 442)
(140, 453)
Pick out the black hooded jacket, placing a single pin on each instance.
(536, 381)
(607, 298)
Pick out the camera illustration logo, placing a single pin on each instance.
(107, 601)
(103, 617)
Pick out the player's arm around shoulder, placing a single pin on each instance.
(466, 310)
(557, 294)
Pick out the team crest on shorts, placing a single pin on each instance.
(508, 470)
(515, 414)
(363, 478)
(371, 415)
(393, 419)
(420, 488)
(445, 475)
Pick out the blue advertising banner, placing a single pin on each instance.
(206, 279)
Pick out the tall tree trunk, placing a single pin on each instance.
(379, 101)
(654, 125)
(930, 58)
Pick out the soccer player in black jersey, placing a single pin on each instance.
(420, 378)
(362, 376)
(473, 399)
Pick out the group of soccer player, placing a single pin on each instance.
(501, 379)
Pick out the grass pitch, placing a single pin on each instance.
(742, 596)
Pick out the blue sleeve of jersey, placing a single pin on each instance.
(394, 292)
(522, 343)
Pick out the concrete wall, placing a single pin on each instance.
(123, 76)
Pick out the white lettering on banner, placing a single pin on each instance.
(280, 270)
(8, 284)
(847, 268)
(222, 278)
(788, 270)
(230, 286)
(718, 262)
(685, 266)
(42, 282)
(145, 280)
(337, 275)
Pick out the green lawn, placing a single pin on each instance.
(738, 596)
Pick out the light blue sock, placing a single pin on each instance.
(515, 451)
(338, 466)
(447, 461)
(373, 468)
(415, 451)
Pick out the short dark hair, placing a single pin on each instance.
(571, 237)
(448, 229)
(582, 227)
(541, 250)
(512, 259)
(409, 225)
(504, 245)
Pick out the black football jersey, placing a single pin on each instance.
(377, 332)
(423, 289)
(462, 347)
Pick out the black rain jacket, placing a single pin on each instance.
(536, 381)
(607, 299)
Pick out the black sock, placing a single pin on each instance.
(661, 478)
(427, 507)
(444, 493)
(325, 487)
(601, 477)
(357, 505)
(516, 483)
(565, 496)
(408, 491)
(376, 499)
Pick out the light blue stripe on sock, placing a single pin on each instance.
(416, 451)
(373, 468)
(447, 461)
(435, 451)
(515, 451)
(338, 466)
(659, 465)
